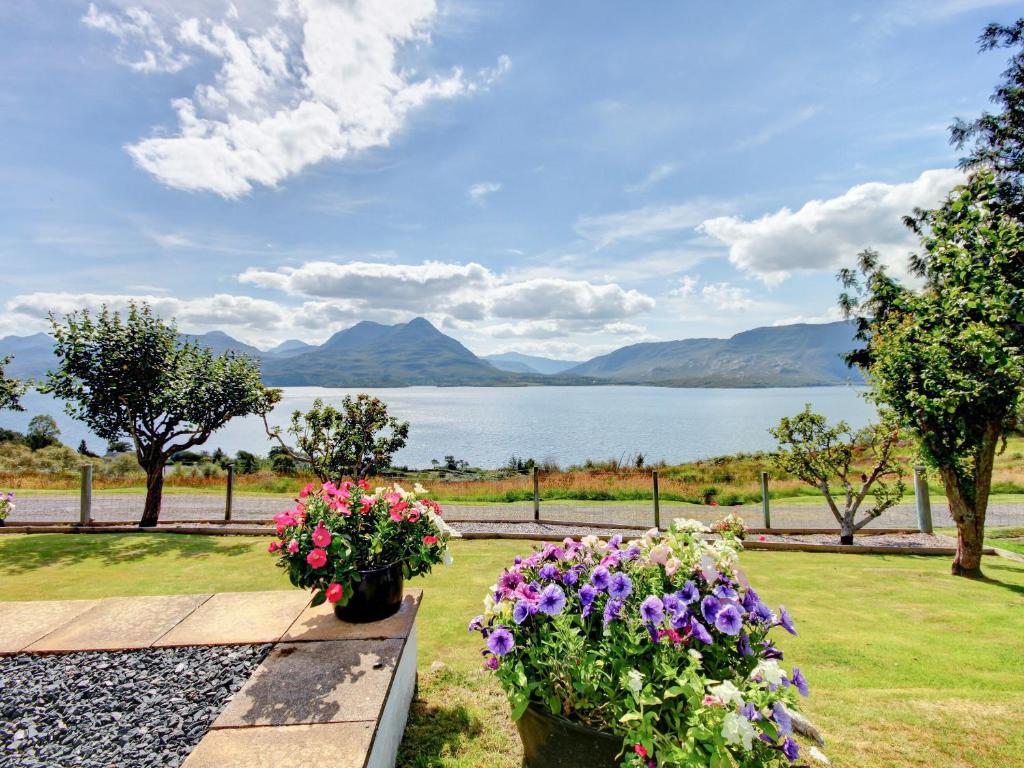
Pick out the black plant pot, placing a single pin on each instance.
(554, 742)
(377, 596)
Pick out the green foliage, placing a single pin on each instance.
(358, 440)
(246, 463)
(11, 390)
(42, 432)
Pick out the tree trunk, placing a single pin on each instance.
(970, 535)
(846, 531)
(154, 493)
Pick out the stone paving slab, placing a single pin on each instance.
(120, 623)
(324, 745)
(239, 618)
(22, 624)
(316, 682)
(320, 623)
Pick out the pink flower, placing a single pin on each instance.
(317, 558)
(366, 504)
(491, 662)
(334, 593)
(414, 515)
(321, 536)
(364, 485)
(274, 546)
(762, 538)
(293, 546)
(307, 490)
(430, 539)
(284, 519)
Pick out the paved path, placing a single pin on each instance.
(128, 507)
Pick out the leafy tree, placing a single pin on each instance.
(357, 441)
(118, 446)
(83, 449)
(220, 458)
(11, 390)
(281, 461)
(817, 453)
(247, 463)
(42, 432)
(948, 358)
(134, 378)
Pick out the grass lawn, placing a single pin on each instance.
(908, 666)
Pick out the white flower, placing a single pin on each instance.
(651, 535)
(736, 730)
(634, 680)
(420, 490)
(709, 568)
(686, 525)
(695, 655)
(769, 671)
(727, 693)
(590, 541)
(489, 605)
(672, 565)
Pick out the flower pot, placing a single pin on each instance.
(377, 596)
(554, 742)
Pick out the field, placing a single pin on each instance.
(908, 666)
(727, 480)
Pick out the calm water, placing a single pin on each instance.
(485, 425)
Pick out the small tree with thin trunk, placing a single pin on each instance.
(11, 390)
(820, 454)
(133, 378)
(356, 441)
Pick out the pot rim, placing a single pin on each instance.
(539, 710)
(370, 571)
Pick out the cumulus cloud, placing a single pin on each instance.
(826, 234)
(478, 192)
(141, 43)
(319, 82)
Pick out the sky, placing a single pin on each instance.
(551, 178)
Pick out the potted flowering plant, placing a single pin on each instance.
(731, 523)
(654, 652)
(6, 505)
(355, 547)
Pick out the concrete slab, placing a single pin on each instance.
(21, 624)
(120, 623)
(338, 745)
(234, 618)
(320, 623)
(316, 682)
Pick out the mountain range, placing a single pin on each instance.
(416, 353)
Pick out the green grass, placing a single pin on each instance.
(908, 665)
(1011, 539)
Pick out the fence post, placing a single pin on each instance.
(924, 504)
(765, 504)
(85, 505)
(230, 494)
(657, 500)
(536, 494)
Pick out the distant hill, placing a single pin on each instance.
(219, 342)
(290, 347)
(780, 356)
(33, 355)
(519, 363)
(373, 355)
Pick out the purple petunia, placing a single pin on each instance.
(744, 646)
(587, 594)
(750, 712)
(699, 631)
(620, 586)
(728, 620)
(672, 603)
(689, 594)
(723, 592)
(549, 572)
(791, 750)
(570, 577)
(612, 609)
(782, 718)
(600, 578)
(680, 619)
(800, 682)
(785, 621)
(521, 612)
(552, 600)
(652, 610)
(510, 580)
(614, 542)
(709, 608)
(763, 613)
(500, 641)
(750, 600)
(476, 624)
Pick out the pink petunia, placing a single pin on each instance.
(317, 558)
(430, 539)
(307, 490)
(274, 546)
(414, 515)
(321, 536)
(366, 504)
(293, 546)
(334, 593)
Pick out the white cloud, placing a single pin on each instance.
(778, 127)
(725, 297)
(826, 234)
(137, 30)
(319, 82)
(658, 173)
(567, 300)
(643, 224)
(687, 286)
(478, 192)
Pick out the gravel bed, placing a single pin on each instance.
(101, 710)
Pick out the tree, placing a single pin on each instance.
(118, 446)
(83, 449)
(948, 358)
(11, 390)
(281, 461)
(42, 432)
(358, 440)
(247, 463)
(817, 453)
(134, 378)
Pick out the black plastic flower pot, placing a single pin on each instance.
(554, 742)
(377, 596)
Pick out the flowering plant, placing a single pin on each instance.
(660, 640)
(6, 504)
(336, 531)
(731, 523)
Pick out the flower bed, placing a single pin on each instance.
(660, 641)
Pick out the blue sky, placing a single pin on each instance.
(555, 178)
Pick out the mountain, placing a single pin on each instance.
(33, 355)
(219, 343)
(780, 356)
(519, 363)
(373, 355)
(289, 347)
